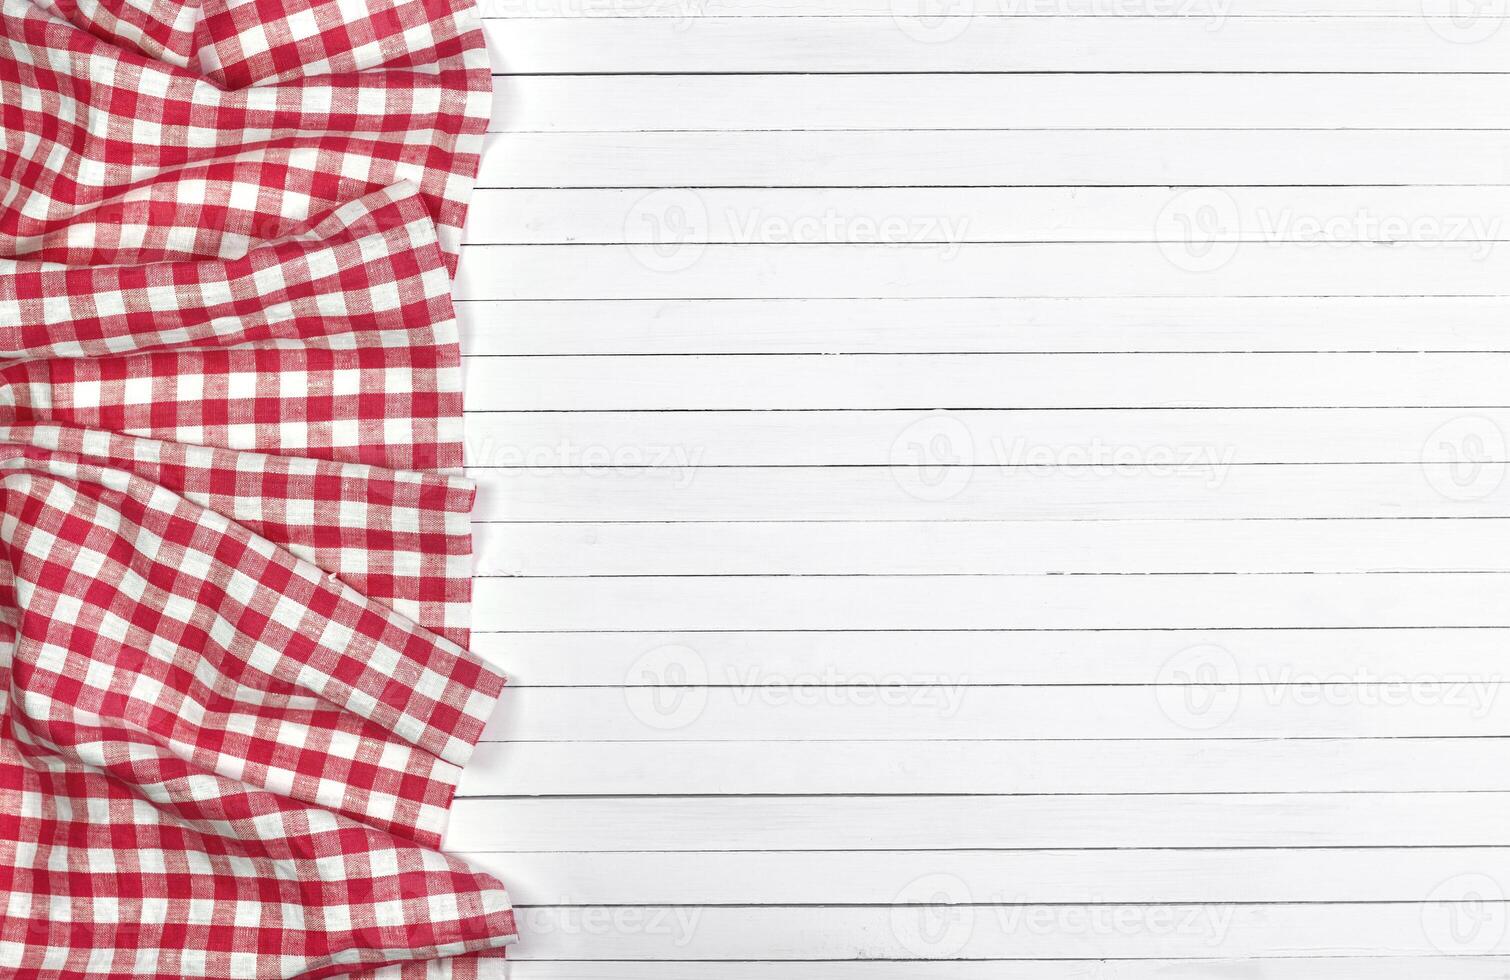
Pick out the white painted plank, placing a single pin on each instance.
(1214, 13)
(1001, 381)
(1182, 701)
(1053, 158)
(1194, 268)
(820, 326)
(868, 878)
(681, 103)
(1003, 931)
(991, 602)
(983, 822)
(816, 37)
(991, 657)
(1004, 548)
(603, 493)
(1294, 968)
(666, 295)
(612, 768)
(1024, 437)
(994, 214)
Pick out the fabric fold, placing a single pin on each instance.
(235, 544)
(279, 113)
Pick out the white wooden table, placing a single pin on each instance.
(1014, 484)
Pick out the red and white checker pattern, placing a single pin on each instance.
(219, 760)
(247, 380)
(272, 113)
(235, 548)
(338, 344)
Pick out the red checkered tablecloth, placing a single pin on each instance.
(235, 694)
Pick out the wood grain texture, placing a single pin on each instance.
(1218, 437)
(1000, 214)
(992, 548)
(804, 823)
(1200, 10)
(1054, 101)
(987, 381)
(1180, 601)
(1333, 968)
(985, 326)
(1003, 657)
(1031, 158)
(876, 877)
(994, 931)
(894, 767)
(994, 489)
(1183, 700)
(1069, 492)
(895, 36)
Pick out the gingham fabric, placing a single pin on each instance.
(143, 130)
(235, 695)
